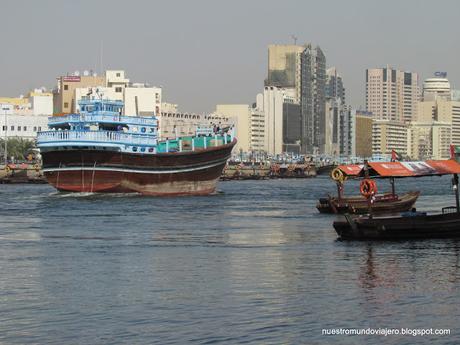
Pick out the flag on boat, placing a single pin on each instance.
(395, 156)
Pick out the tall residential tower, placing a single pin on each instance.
(392, 94)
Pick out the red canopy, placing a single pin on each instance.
(404, 169)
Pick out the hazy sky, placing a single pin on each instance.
(205, 53)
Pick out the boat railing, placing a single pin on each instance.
(194, 143)
(96, 137)
(102, 117)
(204, 131)
(449, 209)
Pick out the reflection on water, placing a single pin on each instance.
(255, 263)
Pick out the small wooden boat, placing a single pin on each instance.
(410, 225)
(381, 203)
(385, 203)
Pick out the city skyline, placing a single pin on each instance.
(206, 53)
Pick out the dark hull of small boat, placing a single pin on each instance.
(399, 228)
(359, 205)
(164, 174)
(325, 169)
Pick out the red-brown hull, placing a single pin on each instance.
(168, 174)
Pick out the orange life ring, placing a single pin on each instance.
(368, 188)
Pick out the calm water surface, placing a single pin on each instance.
(255, 263)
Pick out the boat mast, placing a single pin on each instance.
(455, 183)
(369, 199)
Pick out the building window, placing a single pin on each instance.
(35, 128)
(118, 89)
(66, 87)
(12, 128)
(39, 129)
(19, 128)
(4, 128)
(25, 128)
(66, 105)
(118, 74)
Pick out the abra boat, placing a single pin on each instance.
(408, 225)
(384, 203)
(99, 150)
(381, 203)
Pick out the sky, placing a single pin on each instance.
(208, 52)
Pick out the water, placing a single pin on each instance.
(255, 263)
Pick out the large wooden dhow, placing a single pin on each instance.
(407, 225)
(99, 150)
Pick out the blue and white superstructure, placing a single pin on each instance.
(101, 150)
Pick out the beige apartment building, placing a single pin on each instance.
(363, 124)
(387, 136)
(284, 67)
(429, 140)
(138, 98)
(249, 125)
(64, 95)
(392, 95)
(437, 125)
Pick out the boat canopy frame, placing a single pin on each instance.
(401, 169)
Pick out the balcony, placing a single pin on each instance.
(79, 138)
(102, 117)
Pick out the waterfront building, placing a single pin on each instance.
(313, 99)
(282, 122)
(41, 102)
(20, 123)
(292, 126)
(434, 88)
(138, 98)
(388, 136)
(429, 140)
(338, 121)
(169, 107)
(362, 137)
(64, 93)
(439, 108)
(284, 67)
(299, 71)
(258, 125)
(332, 119)
(241, 114)
(22, 117)
(391, 94)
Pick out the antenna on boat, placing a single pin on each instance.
(101, 53)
